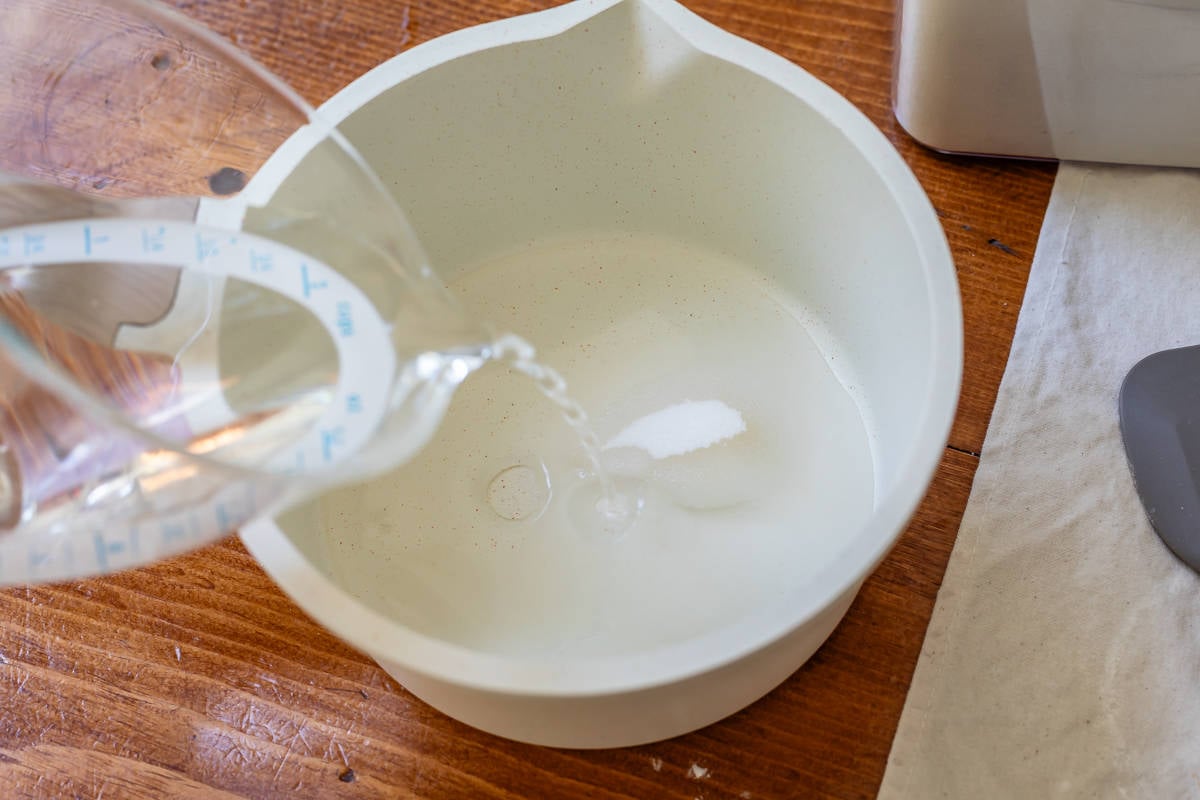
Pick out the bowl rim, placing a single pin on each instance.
(437, 660)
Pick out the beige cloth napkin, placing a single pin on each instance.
(1063, 657)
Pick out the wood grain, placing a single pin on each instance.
(177, 118)
(197, 678)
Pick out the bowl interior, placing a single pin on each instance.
(620, 140)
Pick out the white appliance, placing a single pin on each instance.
(1087, 80)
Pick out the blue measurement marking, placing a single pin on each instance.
(231, 512)
(224, 522)
(345, 319)
(34, 244)
(206, 247)
(331, 438)
(172, 531)
(261, 262)
(309, 285)
(90, 239)
(153, 239)
(354, 404)
(37, 558)
(195, 525)
(105, 548)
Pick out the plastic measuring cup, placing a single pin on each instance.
(163, 381)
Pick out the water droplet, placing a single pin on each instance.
(519, 492)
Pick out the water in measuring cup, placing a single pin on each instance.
(47, 448)
(223, 343)
(717, 418)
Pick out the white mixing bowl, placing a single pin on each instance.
(637, 116)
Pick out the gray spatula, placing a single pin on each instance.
(1160, 424)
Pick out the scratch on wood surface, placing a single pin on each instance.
(291, 743)
(405, 34)
(279, 769)
(236, 753)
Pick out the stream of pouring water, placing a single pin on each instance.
(615, 509)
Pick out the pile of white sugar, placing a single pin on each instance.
(681, 428)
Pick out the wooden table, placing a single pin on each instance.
(198, 678)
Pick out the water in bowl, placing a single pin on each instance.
(725, 464)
